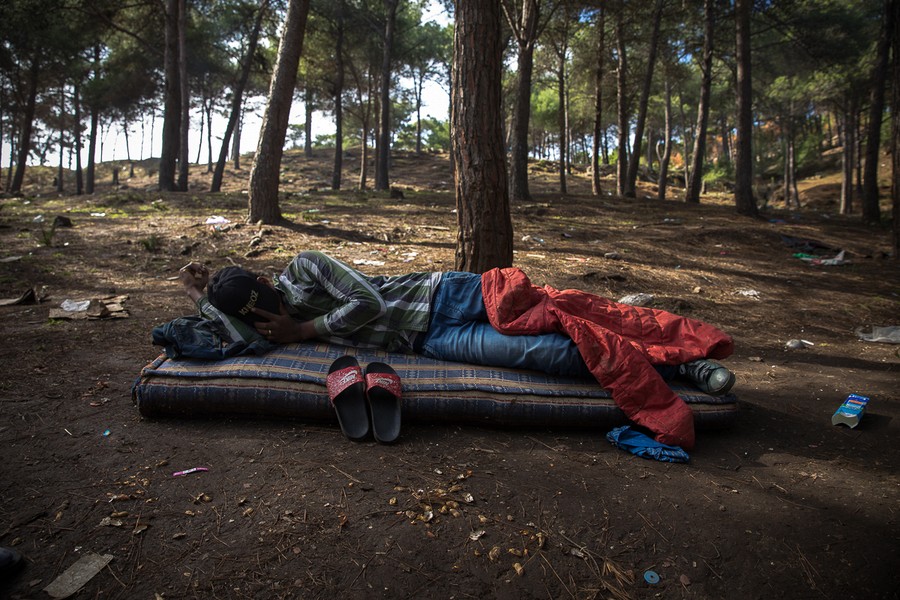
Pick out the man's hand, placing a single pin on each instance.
(194, 277)
(282, 328)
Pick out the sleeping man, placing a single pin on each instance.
(498, 319)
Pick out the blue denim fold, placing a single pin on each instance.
(460, 331)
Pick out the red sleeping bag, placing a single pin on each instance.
(620, 344)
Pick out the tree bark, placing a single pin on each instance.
(60, 185)
(622, 97)
(695, 182)
(264, 176)
(307, 123)
(27, 127)
(848, 135)
(172, 105)
(184, 91)
(524, 26)
(237, 98)
(596, 146)
(894, 11)
(382, 168)
(484, 239)
(92, 150)
(562, 120)
(338, 93)
(663, 181)
(870, 205)
(209, 149)
(236, 146)
(79, 176)
(743, 168)
(635, 158)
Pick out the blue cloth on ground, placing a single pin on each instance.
(644, 446)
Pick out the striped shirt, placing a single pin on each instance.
(349, 308)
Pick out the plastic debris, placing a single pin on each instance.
(887, 335)
(748, 293)
(74, 578)
(851, 411)
(639, 299)
(217, 220)
(75, 305)
(111, 307)
(189, 471)
(838, 259)
(651, 577)
(798, 344)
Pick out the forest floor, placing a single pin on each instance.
(781, 505)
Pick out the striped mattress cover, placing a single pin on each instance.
(290, 382)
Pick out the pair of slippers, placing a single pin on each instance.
(364, 399)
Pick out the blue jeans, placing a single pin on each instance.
(460, 331)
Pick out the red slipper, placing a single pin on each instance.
(347, 391)
(383, 392)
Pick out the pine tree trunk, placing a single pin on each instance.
(622, 98)
(382, 167)
(237, 99)
(338, 93)
(92, 151)
(561, 121)
(695, 182)
(745, 203)
(635, 159)
(894, 11)
(525, 31)
(307, 124)
(848, 144)
(184, 131)
(79, 176)
(663, 180)
(27, 127)
(597, 142)
(870, 196)
(264, 176)
(60, 185)
(484, 239)
(172, 104)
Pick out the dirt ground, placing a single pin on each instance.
(781, 505)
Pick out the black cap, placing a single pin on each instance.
(235, 291)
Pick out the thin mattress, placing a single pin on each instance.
(289, 381)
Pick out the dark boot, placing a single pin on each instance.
(709, 376)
